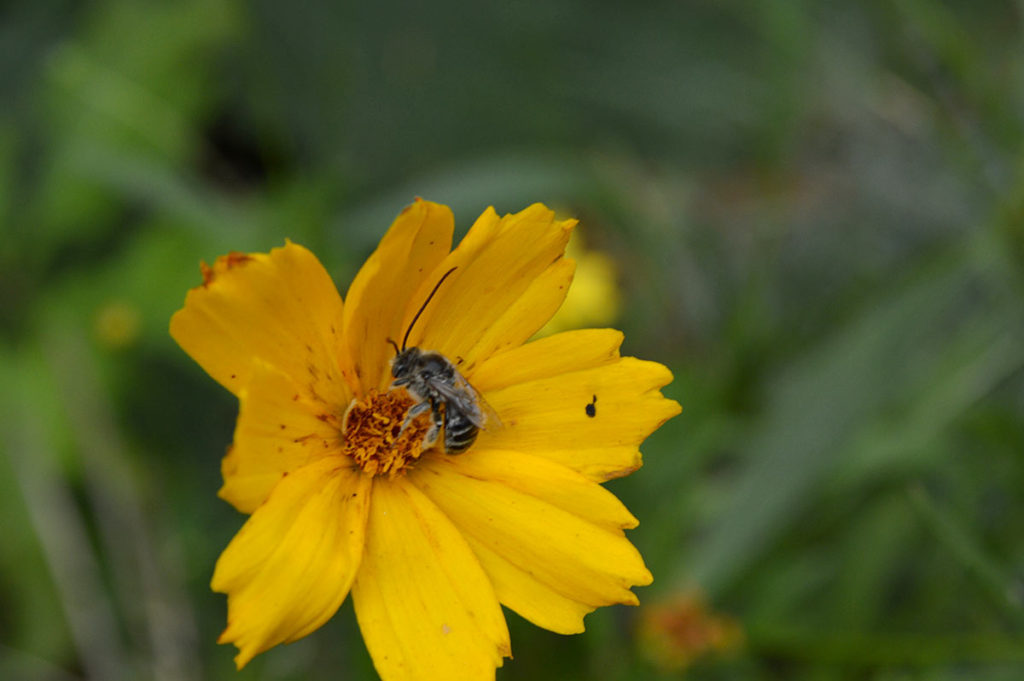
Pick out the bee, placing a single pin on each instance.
(438, 387)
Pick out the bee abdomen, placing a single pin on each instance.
(459, 434)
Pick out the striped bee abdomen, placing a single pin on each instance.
(459, 432)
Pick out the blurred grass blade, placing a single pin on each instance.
(57, 522)
(954, 535)
(829, 397)
(116, 496)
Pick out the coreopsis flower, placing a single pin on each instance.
(345, 494)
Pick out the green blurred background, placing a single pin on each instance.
(816, 211)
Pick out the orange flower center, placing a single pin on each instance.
(374, 437)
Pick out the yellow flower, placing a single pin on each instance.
(118, 324)
(594, 296)
(343, 498)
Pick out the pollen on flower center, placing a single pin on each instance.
(372, 428)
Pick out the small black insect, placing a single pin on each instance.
(436, 385)
(591, 407)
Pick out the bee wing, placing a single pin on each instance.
(470, 402)
(491, 419)
(488, 417)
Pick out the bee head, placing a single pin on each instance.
(405, 361)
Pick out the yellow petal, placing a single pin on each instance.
(497, 262)
(547, 357)
(529, 312)
(424, 605)
(379, 295)
(534, 545)
(290, 566)
(280, 428)
(550, 417)
(281, 308)
(520, 591)
(541, 478)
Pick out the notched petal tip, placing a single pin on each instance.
(630, 600)
(656, 375)
(637, 464)
(221, 265)
(244, 657)
(668, 407)
(233, 259)
(245, 653)
(224, 637)
(659, 376)
(280, 308)
(673, 409)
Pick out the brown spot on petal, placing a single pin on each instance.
(329, 418)
(233, 259)
(223, 264)
(207, 273)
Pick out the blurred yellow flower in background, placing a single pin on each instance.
(594, 298)
(343, 496)
(117, 324)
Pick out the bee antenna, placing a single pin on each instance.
(394, 345)
(424, 307)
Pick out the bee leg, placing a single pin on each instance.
(414, 411)
(430, 439)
